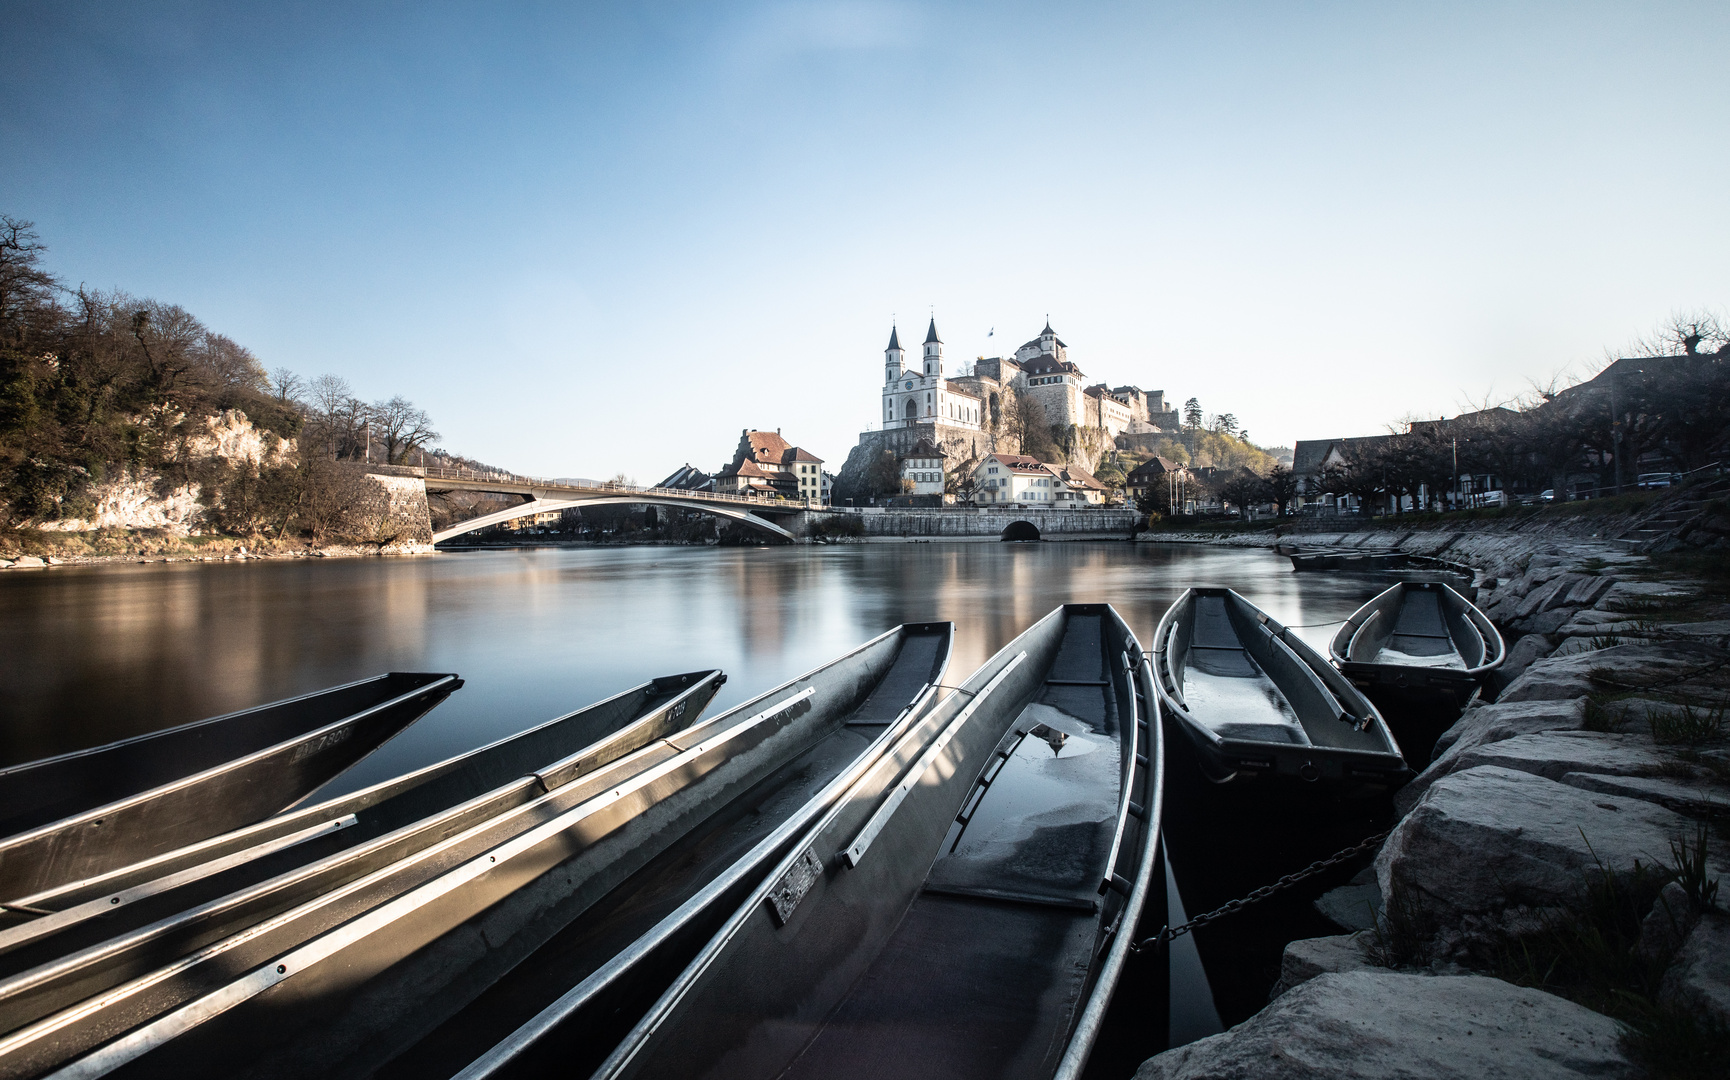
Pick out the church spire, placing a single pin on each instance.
(894, 340)
(931, 334)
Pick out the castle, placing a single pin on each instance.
(964, 415)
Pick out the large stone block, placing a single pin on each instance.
(1488, 724)
(1636, 664)
(1307, 958)
(1373, 1024)
(1588, 591)
(1701, 974)
(1544, 622)
(1554, 754)
(1521, 655)
(1693, 798)
(1488, 838)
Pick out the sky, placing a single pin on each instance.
(593, 239)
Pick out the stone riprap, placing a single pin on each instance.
(1491, 838)
(1378, 1024)
(1305, 959)
(1569, 764)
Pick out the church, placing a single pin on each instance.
(913, 396)
(1041, 369)
(965, 416)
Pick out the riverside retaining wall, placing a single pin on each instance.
(1593, 751)
(990, 523)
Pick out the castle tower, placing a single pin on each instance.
(933, 351)
(892, 366)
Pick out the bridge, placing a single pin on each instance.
(541, 495)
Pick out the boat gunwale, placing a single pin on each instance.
(627, 1053)
(1387, 765)
(1085, 1030)
(1381, 671)
(320, 816)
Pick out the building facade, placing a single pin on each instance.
(922, 470)
(1018, 480)
(915, 395)
(765, 464)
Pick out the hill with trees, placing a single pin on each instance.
(120, 414)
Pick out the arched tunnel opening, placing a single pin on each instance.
(1020, 531)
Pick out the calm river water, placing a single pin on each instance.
(92, 654)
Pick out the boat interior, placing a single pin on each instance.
(1237, 677)
(367, 1027)
(1418, 626)
(985, 973)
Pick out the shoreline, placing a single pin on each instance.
(1599, 748)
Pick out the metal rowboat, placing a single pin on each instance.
(346, 977)
(85, 813)
(1037, 788)
(1418, 635)
(1253, 698)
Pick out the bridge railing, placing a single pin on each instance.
(578, 484)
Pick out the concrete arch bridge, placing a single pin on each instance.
(542, 496)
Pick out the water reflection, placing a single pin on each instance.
(93, 654)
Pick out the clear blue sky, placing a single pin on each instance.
(606, 238)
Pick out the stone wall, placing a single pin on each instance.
(396, 513)
(990, 523)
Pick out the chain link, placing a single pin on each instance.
(1169, 933)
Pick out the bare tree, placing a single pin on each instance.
(26, 290)
(287, 386)
(1685, 333)
(401, 428)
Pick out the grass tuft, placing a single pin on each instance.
(1599, 712)
(1405, 930)
(1690, 871)
(1687, 724)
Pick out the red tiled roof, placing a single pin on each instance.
(767, 445)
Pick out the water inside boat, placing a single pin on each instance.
(1226, 689)
(984, 973)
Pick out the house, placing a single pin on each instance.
(1011, 478)
(922, 470)
(1015, 479)
(1156, 474)
(768, 465)
(687, 478)
(1077, 486)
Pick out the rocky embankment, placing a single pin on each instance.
(1546, 903)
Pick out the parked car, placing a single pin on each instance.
(1657, 479)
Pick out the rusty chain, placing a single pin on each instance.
(1169, 933)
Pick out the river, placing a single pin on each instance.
(92, 654)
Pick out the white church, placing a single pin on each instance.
(924, 396)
